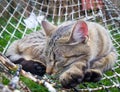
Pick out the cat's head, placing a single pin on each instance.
(65, 44)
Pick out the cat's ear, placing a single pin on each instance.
(48, 27)
(80, 32)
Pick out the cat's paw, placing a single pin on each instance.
(71, 78)
(92, 75)
(33, 67)
(39, 68)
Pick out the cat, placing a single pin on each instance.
(76, 50)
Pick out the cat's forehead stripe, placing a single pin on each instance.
(60, 31)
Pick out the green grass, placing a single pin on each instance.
(10, 30)
(34, 87)
(4, 80)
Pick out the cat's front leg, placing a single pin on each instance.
(105, 63)
(74, 75)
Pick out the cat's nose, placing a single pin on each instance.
(50, 70)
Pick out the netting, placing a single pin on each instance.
(12, 26)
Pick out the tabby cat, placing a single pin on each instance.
(77, 51)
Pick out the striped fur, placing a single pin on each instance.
(77, 50)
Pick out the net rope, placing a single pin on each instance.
(13, 27)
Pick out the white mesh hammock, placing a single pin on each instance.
(14, 13)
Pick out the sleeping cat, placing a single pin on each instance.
(77, 51)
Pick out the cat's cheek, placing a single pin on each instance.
(59, 66)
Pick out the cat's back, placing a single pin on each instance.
(100, 40)
(32, 39)
(29, 47)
